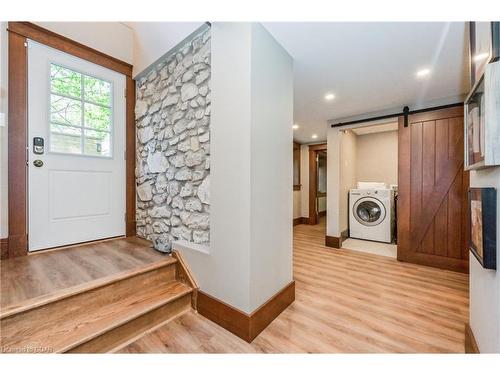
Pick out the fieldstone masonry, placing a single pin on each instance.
(173, 147)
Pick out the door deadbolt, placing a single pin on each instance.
(38, 145)
(38, 163)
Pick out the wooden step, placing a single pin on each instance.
(100, 315)
(122, 279)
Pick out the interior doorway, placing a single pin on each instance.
(317, 183)
(369, 187)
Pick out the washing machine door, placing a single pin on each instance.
(369, 211)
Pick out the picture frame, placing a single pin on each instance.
(483, 225)
(474, 124)
(482, 120)
(484, 47)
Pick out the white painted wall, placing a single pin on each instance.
(225, 273)
(484, 288)
(111, 38)
(348, 167)
(377, 157)
(151, 40)
(333, 182)
(250, 255)
(271, 166)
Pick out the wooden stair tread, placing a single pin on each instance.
(28, 304)
(85, 325)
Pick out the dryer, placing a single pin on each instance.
(371, 214)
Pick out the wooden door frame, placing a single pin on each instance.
(313, 183)
(19, 33)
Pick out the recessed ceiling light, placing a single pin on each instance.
(329, 96)
(481, 56)
(295, 126)
(423, 72)
(314, 136)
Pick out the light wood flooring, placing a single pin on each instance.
(90, 298)
(346, 301)
(45, 273)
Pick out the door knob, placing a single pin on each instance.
(38, 163)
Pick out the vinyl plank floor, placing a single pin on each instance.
(346, 302)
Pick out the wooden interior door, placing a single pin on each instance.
(432, 200)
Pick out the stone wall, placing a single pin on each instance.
(173, 146)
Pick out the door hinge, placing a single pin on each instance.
(125, 155)
(26, 44)
(125, 93)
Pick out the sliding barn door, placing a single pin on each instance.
(432, 202)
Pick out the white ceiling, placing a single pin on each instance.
(371, 68)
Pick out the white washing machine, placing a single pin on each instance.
(371, 214)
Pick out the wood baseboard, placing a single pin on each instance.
(300, 220)
(470, 341)
(4, 248)
(332, 241)
(243, 325)
(336, 242)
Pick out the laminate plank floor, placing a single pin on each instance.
(42, 274)
(346, 302)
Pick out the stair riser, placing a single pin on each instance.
(119, 336)
(17, 328)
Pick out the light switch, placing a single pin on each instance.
(2, 119)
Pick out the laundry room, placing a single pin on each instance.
(368, 187)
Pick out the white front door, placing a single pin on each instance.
(76, 148)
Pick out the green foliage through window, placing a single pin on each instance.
(79, 104)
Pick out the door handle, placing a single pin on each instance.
(38, 163)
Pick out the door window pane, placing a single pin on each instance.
(80, 106)
(65, 81)
(97, 91)
(66, 143)
(97, 117)
(65, 129)
(97, 143)
(65, 111)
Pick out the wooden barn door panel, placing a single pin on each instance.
(433, 186)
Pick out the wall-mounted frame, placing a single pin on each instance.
(482, 120)
(483, 225)
(484, 47)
